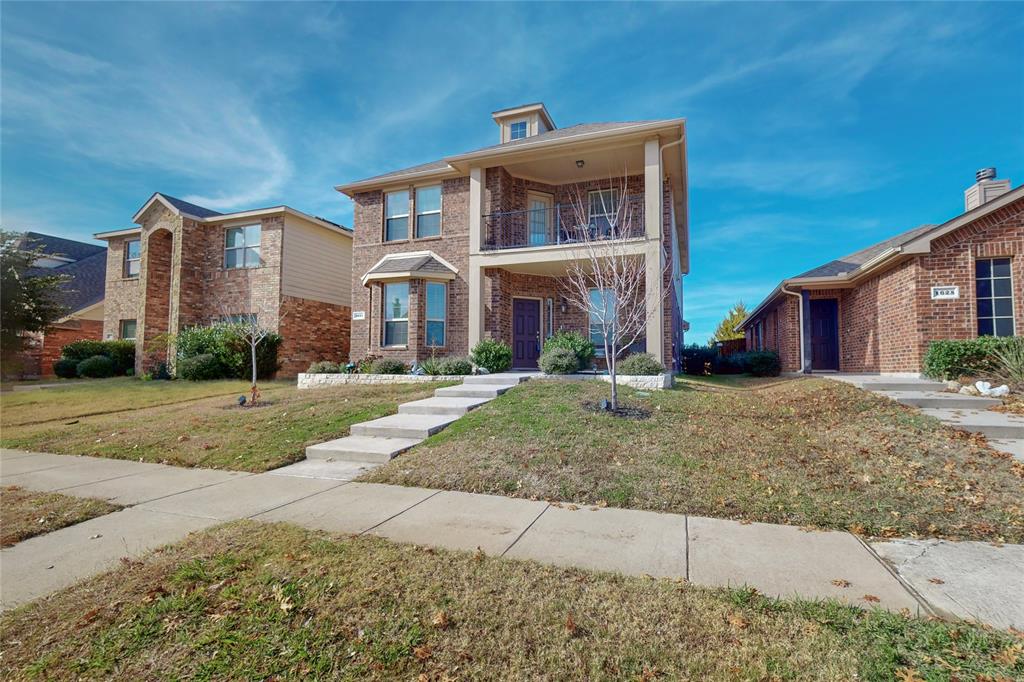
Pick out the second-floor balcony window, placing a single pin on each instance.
(132, 257)
(396, 216)
(428, 211)
(242, 247)
(604, 209)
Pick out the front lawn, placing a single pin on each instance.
(25, 514)
(251, 601)
(193, 423)
(802, 452)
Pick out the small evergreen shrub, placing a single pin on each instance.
(233, 352)
(66, 368)
(455, 366)
(763, 363)
(1009, 362)
(96, 367)
(202, 367)
(120, 352)
(364, 365)
(83, 349)
(559, 360)
(494, 356)
(432, 366)
(639, 364)
(574, 341)
(324, 367)
(388, 366)
(967, 357)
(698, 360)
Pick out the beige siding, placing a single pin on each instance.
(317, 263)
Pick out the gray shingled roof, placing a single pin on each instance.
(86, 275)
(191, 209)
(580, 129)
(59, 246)
(856, 259)
(422, 264)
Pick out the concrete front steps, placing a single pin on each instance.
(378, 441)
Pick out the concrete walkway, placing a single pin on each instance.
(1005, 432)
(167, 503)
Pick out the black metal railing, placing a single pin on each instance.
(561, 225)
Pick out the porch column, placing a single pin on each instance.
(476, 184)
(652, 269)
(652, 189)
(476, 273)
(805, 331)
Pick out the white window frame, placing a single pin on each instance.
(128, 260)
(437, 211)
(992, 295)
(512, 130)
(384, 315)
(608, 216)
(426, 315)
(120, 330)
(241, 264)
(397, 215)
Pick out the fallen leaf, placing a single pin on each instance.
(871, 598)
(839, 582)
(908, 675)
(440, 619)
(738, 621)
(422, 653)
(936, 581)
(570, 625)
(1010, 655)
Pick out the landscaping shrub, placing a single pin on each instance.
(559, 360)
(698, 360)
(733, 363)
(222, 341)
(324, 367)
(96, 367)
(640, 364)
(82, 349)
(762, 363)
(364, 365)
(968, 357)
(1009, 362)
(388, 366)
(494, 356)
(66, 368)
(574, 341)
(455, 366)
(202, 367)
(120, 352)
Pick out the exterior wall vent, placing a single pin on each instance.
(985, 189)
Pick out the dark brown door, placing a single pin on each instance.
(525, 333)
(825, 334)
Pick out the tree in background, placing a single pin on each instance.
(726, 330)
(27, 303)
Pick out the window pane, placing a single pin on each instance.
(396, 333)
(134, 248)
(983, 268)
(396, 301)
(397, 228)
(232, 258)
(1001, 287)
(1003, 307)
(435, 333)
(397, 204)
(985, 307)
(435, 301)
(1004, 326)
(428, 225)
(133, 268)
(984, 288)
(985, 327)
(1001, 267)
(252, 235)
(128, 329)
(235, 237)
(428, 199)
(252, 257)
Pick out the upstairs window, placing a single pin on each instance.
(517, 130)
(242, 247)
(127, 330)
(604, 209)
(396, 314)
(132, 258)
(428, 211)
(437, 309)
(396, 216)
(994, 287)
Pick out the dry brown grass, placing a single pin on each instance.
(25, 514)
(250, 601)
(804, 452)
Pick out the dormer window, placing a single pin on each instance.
(517, 130)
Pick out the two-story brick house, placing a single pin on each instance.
(477, 245)
(186, 265)
(878, 309)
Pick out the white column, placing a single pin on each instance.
(653, 264)
(652, 189)
(476, 184)
(476, 274)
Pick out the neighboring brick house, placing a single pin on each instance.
(81, 294)
(878, 309)
(477, 245)
(187, 265)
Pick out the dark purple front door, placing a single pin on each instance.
(525, 333)
(825, 334)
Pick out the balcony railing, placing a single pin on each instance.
(561, 225)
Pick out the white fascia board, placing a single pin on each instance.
(110, 234)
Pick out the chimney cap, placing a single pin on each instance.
(985, 174)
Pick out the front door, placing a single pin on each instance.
(525, 333)
(825, 334)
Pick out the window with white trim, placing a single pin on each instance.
(994, 295)
(428, 211)
(437, 314)
(127, 330)
(517, 130)
(604, 208)
(242, 247)
(396, 216)
(602, 309)
(132, 257)
(396, 314)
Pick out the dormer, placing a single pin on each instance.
(523, 121)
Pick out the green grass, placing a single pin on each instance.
(193, 423)
(25, 514)
(251, 601)
(802, 452)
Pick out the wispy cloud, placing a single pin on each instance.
(801, 177)
(774, 230)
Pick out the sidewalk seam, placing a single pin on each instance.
(524, 531)
(686, 544)
(922, 602)
(297, 499)
(378, 525)
(247, 474)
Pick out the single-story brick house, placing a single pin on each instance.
(878, 309)
(187, 265)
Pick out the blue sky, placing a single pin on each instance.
(814, 130)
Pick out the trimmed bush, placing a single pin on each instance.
(762, 363)
(120, 352)
(324, 367)
(388, 366)
(494, 356)
(83, 349)
(698, 360)
(455, 366)
(639, 364)
(222, 341)
(66, 368)
(203, 367)
(96, 367)
(968, 357)
(574, 341)
(559, 360)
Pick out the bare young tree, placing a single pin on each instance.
(606, 278)
(247, 326)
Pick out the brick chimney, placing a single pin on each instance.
(985, 189)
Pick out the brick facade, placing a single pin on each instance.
(40, 351)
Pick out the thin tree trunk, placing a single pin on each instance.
(253, 348)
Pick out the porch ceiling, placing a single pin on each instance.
(597, 163)
(551, 265)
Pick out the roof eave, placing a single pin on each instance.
(110, 234)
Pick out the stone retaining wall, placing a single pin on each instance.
(324, 380)
(644, 382)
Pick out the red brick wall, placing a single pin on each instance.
(312, 331)
(156, 307)
(60, 335)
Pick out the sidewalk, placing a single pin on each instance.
(168, 503)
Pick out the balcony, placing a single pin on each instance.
(560, 225)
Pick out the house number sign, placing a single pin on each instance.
(358, 314)
(940, 293)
